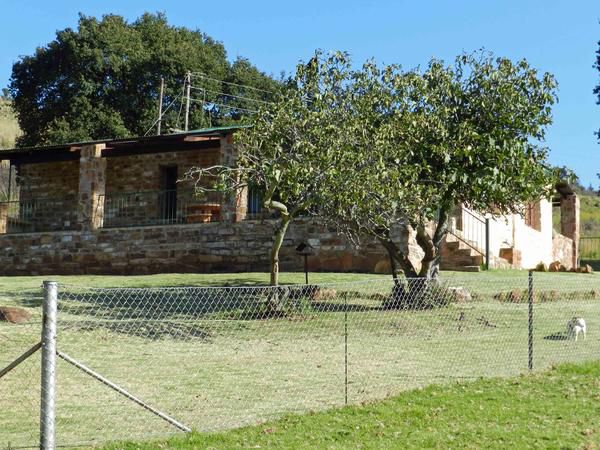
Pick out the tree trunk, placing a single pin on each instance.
(279, 234)
(414, 291)
(430, 265)
(398, 259)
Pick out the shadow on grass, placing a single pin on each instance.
(556, 337)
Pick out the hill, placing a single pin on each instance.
(9, 128)
(590, 215)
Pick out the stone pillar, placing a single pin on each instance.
(233, 207)
(92, 180)
(569, 222)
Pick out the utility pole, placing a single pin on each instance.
(160, 104)
(188, 82)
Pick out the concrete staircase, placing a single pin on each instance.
(458, 255)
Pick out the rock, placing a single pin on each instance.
(554, 266)
(587, 269)
(320, 294)
(541, 267)
(14, 315)
(460, 294)
(383, 266)
(516, 295)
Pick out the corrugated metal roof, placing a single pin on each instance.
(199, 132)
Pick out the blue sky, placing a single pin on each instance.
(556, 36)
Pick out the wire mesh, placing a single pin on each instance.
(20, 387)
(218, 358)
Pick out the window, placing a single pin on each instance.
(533, 216)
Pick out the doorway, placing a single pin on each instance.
(168, 194)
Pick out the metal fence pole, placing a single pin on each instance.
(487, 244)
(345, 350)
(530, 320)
(47, 412)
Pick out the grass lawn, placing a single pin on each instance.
(192, 354)
(554, 409)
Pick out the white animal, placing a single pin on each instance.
(575, 326)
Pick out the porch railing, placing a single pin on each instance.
(472, 229)
(128, 209)
(38, 214)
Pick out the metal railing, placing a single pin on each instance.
(38, 214)
(167, 207)
(473, 230)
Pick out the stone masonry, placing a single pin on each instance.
(207, 247)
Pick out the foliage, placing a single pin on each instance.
(9, 129)
(425, 141)
(291, 148)
(597, 88)
(102, 79)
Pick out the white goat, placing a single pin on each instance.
(575, 326)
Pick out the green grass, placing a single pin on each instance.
(219, 370)
(590, 215)
(554, 409)
(9, 128)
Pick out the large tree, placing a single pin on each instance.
(424, 142)
(102, 80)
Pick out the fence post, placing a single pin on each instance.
(345, 350)
(487, 243)
(47, 412)
(530, 320)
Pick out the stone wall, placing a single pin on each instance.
(48, 197)
(562, 250)
(209, 247)
(48, 180)
(137, 173)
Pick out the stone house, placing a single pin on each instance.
(119, 206)
(547, 232)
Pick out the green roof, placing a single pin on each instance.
(199, 132)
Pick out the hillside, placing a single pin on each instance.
(590, 215)
(9, 129)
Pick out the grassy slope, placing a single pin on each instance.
(253, 370)
(9, 129)
(590, 215)
(555, 409)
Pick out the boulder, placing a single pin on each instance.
(14, 315)
(383, 266)
(460, 294)
(554, 266)
(321, 294)
(587, 269)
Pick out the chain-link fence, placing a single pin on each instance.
(142, 363)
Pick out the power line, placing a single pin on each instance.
(162, 114)
(223, 105)
(201, 75)
(231, 95)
